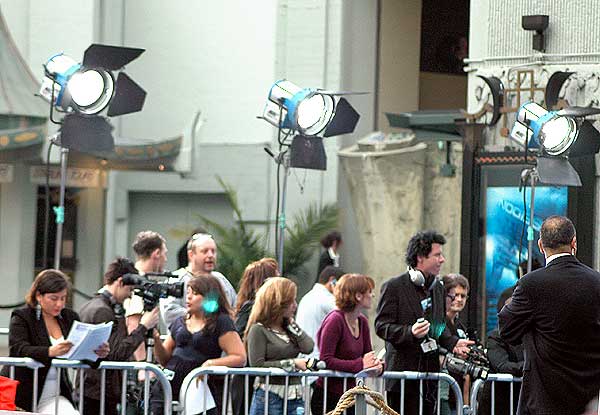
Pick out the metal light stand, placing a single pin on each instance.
(60, 209)
(533, 179)
(285, 161)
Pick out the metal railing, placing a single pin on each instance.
(34, 365)
(61, 364)
(493, 378)
(423, 376)
(268, 373)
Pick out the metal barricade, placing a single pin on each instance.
(24, 362)
(423, 376)
(493, 378)
(267, 373)
(61, 364)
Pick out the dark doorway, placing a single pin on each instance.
(69, 240)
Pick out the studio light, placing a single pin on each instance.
(554, 132)
(308, 113)
(84, 90)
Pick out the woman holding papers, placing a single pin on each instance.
(344, 339)
(205, 336)
(38, 330)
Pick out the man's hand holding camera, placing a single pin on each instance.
(150, 319)
(461, 348)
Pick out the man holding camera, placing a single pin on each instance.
(411, 341)
(104, 307)
(555, 313)
(202, 260)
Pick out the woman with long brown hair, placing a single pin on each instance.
(273, 339)
(253, 278)
(205, 336)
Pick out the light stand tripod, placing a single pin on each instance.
(532, 175)
(60, 209)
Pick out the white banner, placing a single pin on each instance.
(76, 177)
(6, 173)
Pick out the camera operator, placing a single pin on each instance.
(104, 307)
(457, 292)
(404, 301)
(150, 256)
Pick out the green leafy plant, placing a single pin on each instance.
(240, 245)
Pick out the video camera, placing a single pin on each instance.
(152, 291)
(476, 364)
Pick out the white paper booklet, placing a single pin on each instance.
(86, 338)
(198, 398)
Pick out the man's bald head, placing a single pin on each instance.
(557, 233)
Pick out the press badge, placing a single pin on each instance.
(425, 304)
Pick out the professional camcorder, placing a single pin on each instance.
(476, 364)
(152, 291)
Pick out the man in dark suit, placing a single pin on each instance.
(555, 313)
(404, 299)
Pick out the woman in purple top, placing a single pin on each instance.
(344, 339)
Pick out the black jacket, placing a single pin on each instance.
(398, 309)
(122, 345)
(28, 337)
(555, 313)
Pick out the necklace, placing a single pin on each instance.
(352, 325)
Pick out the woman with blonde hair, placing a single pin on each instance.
(344, 339)
(273, 339)
(255, 274)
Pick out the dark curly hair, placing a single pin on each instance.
(328, 240)
(119, 267)
(420, 245)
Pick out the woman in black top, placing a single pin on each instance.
(200, 338)
(39, 330)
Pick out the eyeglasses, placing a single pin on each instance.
(459, 295)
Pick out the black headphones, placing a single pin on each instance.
(118, 308)
(416, 276)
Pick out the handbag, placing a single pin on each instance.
(8, 392)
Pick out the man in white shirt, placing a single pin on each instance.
(317, 303)
(202, 260)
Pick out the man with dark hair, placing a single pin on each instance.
(107, 306)
(409, 342)
(555, 313)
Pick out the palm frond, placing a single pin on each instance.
(302, 238)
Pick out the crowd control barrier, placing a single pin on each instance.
(79, 367)
(34, 365)
(267, 373)
(492, 378)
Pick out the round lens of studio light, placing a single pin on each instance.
(314, 113)
(91, 90)
(558, 135)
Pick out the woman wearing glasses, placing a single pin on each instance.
(457, 292)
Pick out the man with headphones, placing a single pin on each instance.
(107, 306)
(410, 318)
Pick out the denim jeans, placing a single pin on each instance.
(294, 406)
